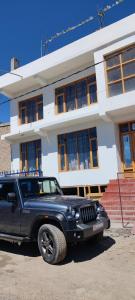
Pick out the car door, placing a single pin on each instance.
(9, 211)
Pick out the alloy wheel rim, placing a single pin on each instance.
(47, 244)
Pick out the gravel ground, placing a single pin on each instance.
(91, 271)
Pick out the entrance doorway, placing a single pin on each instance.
(127, 137)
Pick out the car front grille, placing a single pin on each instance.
(88, 213)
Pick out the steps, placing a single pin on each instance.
(119, 200)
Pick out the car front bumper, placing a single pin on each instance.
(86, 231)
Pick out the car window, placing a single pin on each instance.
(5, 188)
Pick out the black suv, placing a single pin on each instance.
(35, 209)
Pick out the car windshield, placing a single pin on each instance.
(39, 187)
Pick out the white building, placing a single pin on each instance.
(73, 110)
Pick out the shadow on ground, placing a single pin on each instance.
(79, 253)
(88, 250)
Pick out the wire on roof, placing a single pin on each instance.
(101, 13)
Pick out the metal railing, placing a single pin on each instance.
(35, 172)
(129, 176)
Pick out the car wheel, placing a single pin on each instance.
(52, 244)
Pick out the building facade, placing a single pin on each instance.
(5, 151)
(73, 110)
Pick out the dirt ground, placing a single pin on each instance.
(91, 271)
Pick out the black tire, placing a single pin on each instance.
(52, 244)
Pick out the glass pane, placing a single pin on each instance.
(92, 79)
(72, 152)
(115, 89)
(129, 69)
(94, 153)
(31, 156)
(133, 126)
(60, 100)
(128, 54)
(114, 74)
(31, 111)
(62, 157)
(83, 149)
(113, 61)
(93, 132)
(70, 98)
(93, 93)
(23, 116)
(127, 156)
(81, 93)
(124, 127)
(129, 84)
(61, 139)
(40, 111)
(23, 156)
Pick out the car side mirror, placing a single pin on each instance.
(11, 197)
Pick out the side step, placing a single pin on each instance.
(13, 238)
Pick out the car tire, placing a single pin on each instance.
(52, 244)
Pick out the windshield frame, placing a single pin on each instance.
(44, 195)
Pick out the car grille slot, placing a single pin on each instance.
(88, 213)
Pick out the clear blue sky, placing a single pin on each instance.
(23, 24)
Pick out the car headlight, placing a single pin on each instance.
(75, 214)
(99, 207)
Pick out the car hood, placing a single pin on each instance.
(56, 202)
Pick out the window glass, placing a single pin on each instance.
(133, 126)
(5, 188)
(72, 151)
(113, 61)
(115, 89)
(76, 150)
(31, 152)
(40, 110)
(129, 69)
(60, 101)
(128, 54)
(62, 156)
(93, 132)
(129, 84)
(94, 153)
(127, 156)
(31, 155)
(92, 79)
(70, 97)
(23, 115)
(83, 149)
(31, 111)
(81, 93)
(114, 74)
(93, 93)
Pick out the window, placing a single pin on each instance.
(120, 68)
(76, 95)
(78, 150)
(31, 156)
(31, 110)
(5, 188)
